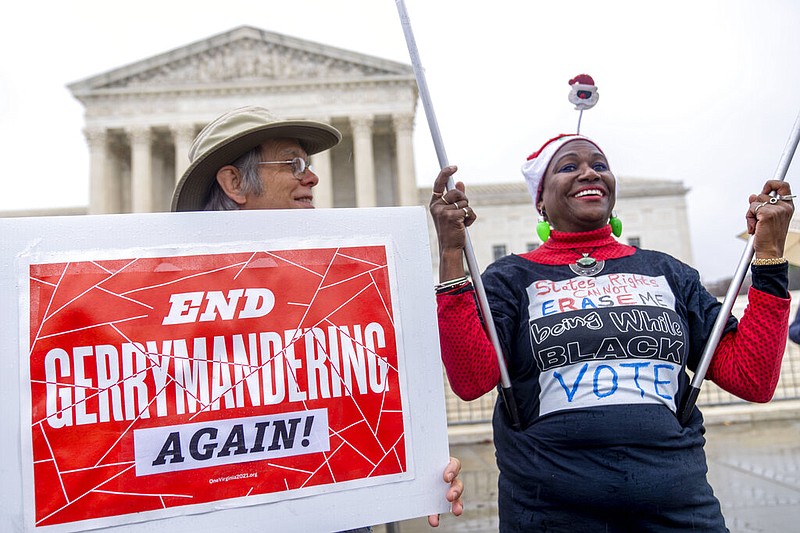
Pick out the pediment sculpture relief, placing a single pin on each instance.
(244, 60)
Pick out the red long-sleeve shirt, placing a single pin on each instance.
(746, 363)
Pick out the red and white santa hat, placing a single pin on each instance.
(537, 163)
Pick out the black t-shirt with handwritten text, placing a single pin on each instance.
(598, 369)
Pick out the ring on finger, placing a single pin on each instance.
(438, 194)
(777, 198)
(444, 197)
(759, 206)
(466, 213)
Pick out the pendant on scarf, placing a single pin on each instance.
(587, 266)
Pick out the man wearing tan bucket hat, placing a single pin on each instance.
(250, 159)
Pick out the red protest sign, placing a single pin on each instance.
(166, 382)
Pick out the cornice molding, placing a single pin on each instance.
(213, 89)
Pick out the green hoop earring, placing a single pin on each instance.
(543, 229)
(616, 225)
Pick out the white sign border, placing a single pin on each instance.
(405, 228)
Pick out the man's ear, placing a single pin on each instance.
(230, 180)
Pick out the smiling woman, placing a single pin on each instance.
(598, 337)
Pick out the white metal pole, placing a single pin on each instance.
(483, 303)
(733, 290)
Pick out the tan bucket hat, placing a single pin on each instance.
(231, 135)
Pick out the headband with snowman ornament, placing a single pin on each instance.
(583, 95)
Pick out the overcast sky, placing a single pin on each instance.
(705, 92)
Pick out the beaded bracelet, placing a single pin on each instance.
(769, 261)
(451, 284)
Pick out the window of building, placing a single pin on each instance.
(634, 241)
(498, 251)
(531, 246)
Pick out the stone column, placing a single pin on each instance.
(323, 192)
(99, 193)
(141, 169)
(364, 161)
(182, 136)
(406, 176)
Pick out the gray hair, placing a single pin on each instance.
(251, 183)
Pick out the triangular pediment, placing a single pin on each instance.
(244, 55)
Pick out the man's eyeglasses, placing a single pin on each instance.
(299, 165)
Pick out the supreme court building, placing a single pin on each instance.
(141, 118)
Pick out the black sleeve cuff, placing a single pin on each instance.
(771, 279)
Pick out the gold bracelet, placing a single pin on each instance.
(769, 261)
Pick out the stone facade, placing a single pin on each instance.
(141, 118)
